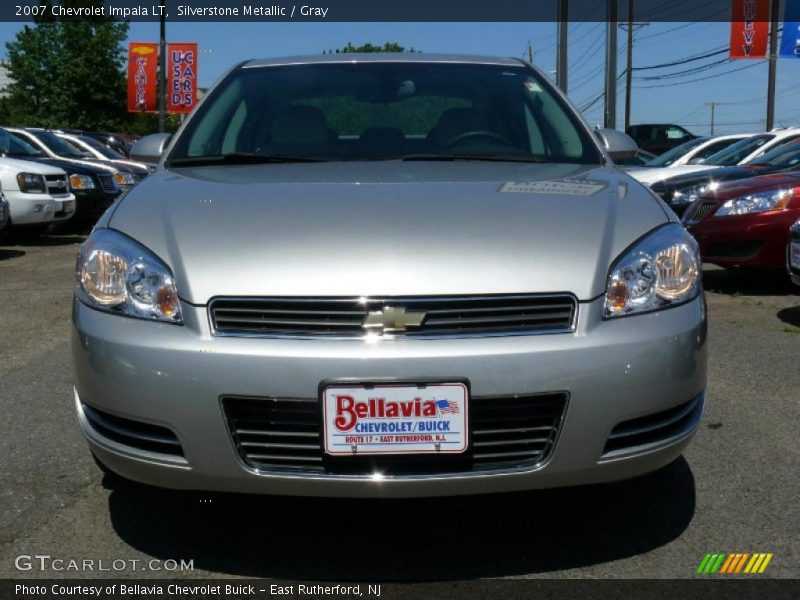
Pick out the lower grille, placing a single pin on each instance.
(698, 212)
(285, 434)
(138, 435)
(107, 182)
(420, 316)
(655, 428)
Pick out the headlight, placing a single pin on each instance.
(118, 275)
(81, 182)
(124, 178)
(30, 183)
(660, 271)
(689, 194)
(754, 203)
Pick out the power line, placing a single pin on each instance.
(742, 68)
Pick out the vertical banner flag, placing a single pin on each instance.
(790, 42)
(181, 78)
(749, 29)
(142, 76)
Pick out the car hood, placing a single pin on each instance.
(69, 166)
(753, 185)
(717, 174)
(648, 175)
(386, 228)
(29, 166)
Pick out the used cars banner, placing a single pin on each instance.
(182, 78)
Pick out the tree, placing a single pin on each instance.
(387, 47)
(68, 72)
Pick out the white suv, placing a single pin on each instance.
(37, 194)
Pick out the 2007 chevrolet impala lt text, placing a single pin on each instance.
(387, 275)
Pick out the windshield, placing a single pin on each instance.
(736, 153)
(101, 148)
(385, 110)
(782, 156)
(12, 145)
(670, 156)
(56, 144)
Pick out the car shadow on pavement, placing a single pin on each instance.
(790, 316)
(6, 254)
(748, 283)
(23, 240)
(429, 539)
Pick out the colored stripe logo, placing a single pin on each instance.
(734, 563)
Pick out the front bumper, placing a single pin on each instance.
(36, 209)
(173, 376)
(756, 240)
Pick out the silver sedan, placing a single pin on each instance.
(387, 275)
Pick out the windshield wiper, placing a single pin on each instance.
(476, 157)
(242, 158)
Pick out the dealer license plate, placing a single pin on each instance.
(395, 419)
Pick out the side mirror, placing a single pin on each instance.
(617, 144)
(150, 148)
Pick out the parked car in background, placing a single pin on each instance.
(660, 137)
(739, 153)
(793, 253)
(54, 146)
(695, 151)
(91, 183)
(38, 195)
(132, 172)
(638, 159)
(116, 142)
(679, 192)
(303, 301)
(5, 222)
(745, 223)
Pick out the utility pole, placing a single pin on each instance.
(629, 67)
(713, 105)
(773, 63)
(530, 52)
(610, 102)
(162, 71)
(561, 57)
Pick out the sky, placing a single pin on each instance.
(683, 99)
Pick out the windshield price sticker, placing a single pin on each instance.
(395, 419)
(571, 188)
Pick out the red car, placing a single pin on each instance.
(746, 222)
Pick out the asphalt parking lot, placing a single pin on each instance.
(736, 489)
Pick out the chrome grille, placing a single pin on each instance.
(285, 434)
(698, 212)
(136, 434)
(443, 315)
(107, 182)
(57, 185)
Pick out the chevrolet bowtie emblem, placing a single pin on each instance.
(392, 319)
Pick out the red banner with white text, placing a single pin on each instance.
(142, 76)
(181, 78)
(749, 29)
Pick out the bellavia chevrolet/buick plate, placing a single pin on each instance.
(395, 419)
